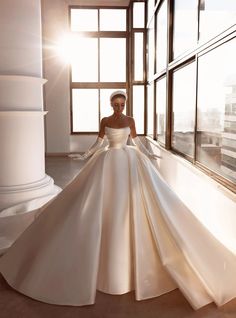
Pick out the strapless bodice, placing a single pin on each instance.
(117, 137)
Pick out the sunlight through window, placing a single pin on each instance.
(112, 20)
(84, 64)
(85, 101)
(84, 20)
(138, 15)
(138, 107)
(112, 60)
(96, 50)
(138, 56)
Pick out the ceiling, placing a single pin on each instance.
(110, 3)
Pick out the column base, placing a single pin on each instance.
(20, 206)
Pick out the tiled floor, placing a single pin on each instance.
(171, 305)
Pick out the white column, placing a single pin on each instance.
(24, 186)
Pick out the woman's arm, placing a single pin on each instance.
(102, 127)
(98, 143)
(137, 142)
(132, 127)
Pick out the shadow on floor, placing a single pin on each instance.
(171, 305)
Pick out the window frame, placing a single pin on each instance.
(172, 65)
(132, 81)
(99, 85)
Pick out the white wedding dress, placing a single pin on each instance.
(118, 227)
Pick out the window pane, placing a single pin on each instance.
(150, 108)
(216, 126)
(138, 56)
(84, 20)
(85, 110)
(161, 110)
(183, 117)
(113, 60)
(151, 50)
(185, 25)
(151, 5)
(85, 62)
(112, 20)
(216, 16)
(138, 15)
(138, 107)
(105, 106)
(161, 32)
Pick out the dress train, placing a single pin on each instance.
(118, 227)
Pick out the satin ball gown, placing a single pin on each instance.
(118, 227)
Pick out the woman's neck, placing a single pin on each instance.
(118, 116)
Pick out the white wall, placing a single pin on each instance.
(57, 98)
(21, 52)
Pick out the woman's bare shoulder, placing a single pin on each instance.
(104, 120)
(130, 120)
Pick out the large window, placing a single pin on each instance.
(106, 55)
(181, 85)
(98, 63)
(190, 60)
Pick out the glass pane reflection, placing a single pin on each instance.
(138, 15)
(112, 59)
(138, 56)
(84, 20)
(216, 125)
(84, 102)
(150, 8)
(112, 20)
(161, 38)
(138, 107)
(183, 116)
(185, 25)
(216, 16)
(161, 110)
(84, 65)
(150, 108)
(151, 50)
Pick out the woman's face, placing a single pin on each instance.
(118, 105)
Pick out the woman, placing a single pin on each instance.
(118, 227)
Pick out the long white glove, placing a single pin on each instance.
(137, 142)
(98, 143)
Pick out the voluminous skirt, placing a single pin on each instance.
(118, 227)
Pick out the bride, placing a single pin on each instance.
(118, 227)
